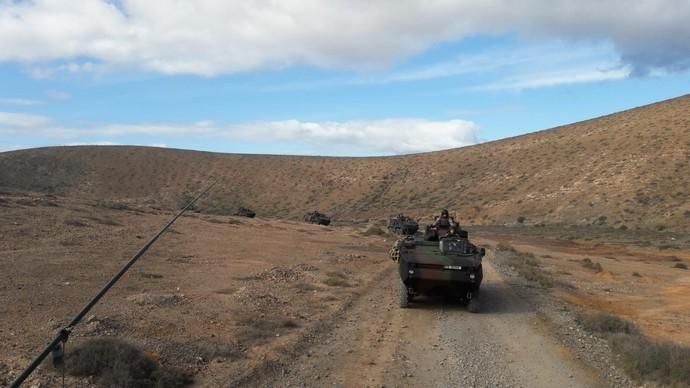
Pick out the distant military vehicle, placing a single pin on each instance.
(451, 266)
(317, 218)
(402, 224)
(245, 212)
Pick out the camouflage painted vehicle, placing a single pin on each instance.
(403, 225)
(317, 218)
(245, 212)
(449, 267)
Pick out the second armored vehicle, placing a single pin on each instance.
(245, 212)
(317, 218)
(404, 225)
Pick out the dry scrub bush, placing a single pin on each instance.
(116, 363)
(642, 358)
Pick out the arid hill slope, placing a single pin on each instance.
(630, 168)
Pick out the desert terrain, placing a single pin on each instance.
(586, 228)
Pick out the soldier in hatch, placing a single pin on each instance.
(445, 221)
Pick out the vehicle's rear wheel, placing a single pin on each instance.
(404, 295)
(473, 305)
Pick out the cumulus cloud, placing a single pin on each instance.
(390, 136)
(374, 137)
(223, 36)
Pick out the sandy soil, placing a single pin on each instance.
(265, 302)
(219, 289)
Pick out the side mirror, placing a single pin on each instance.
(482, 251)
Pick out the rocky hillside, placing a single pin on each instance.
(630, 169)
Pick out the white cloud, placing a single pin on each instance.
(561, 77)
(222, 36)
(84, 143)
(57, 95)
(513, 65)
(388, 136)
(19, 101)
(9, 119)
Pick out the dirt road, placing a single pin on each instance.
(436, 344)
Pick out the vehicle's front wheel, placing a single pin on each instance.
(404, 295)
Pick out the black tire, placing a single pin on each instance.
(473, 305)
(404, 296)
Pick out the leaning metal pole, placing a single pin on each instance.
(64, 333)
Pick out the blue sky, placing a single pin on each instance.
(335, 79)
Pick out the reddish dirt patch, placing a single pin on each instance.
(638, 283)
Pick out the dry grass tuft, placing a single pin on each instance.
(642, 358)
(375, 230)
(75, 222)
(337, 279)
(306, 287)
(527, 265)
(260, 330)
(606, 323)
(589, 264)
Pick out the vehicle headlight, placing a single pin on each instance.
(411, 272)
(472, 276)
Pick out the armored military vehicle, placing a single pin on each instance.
(317, 218)
(451, 266)
(403, 225)
(245, 212)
